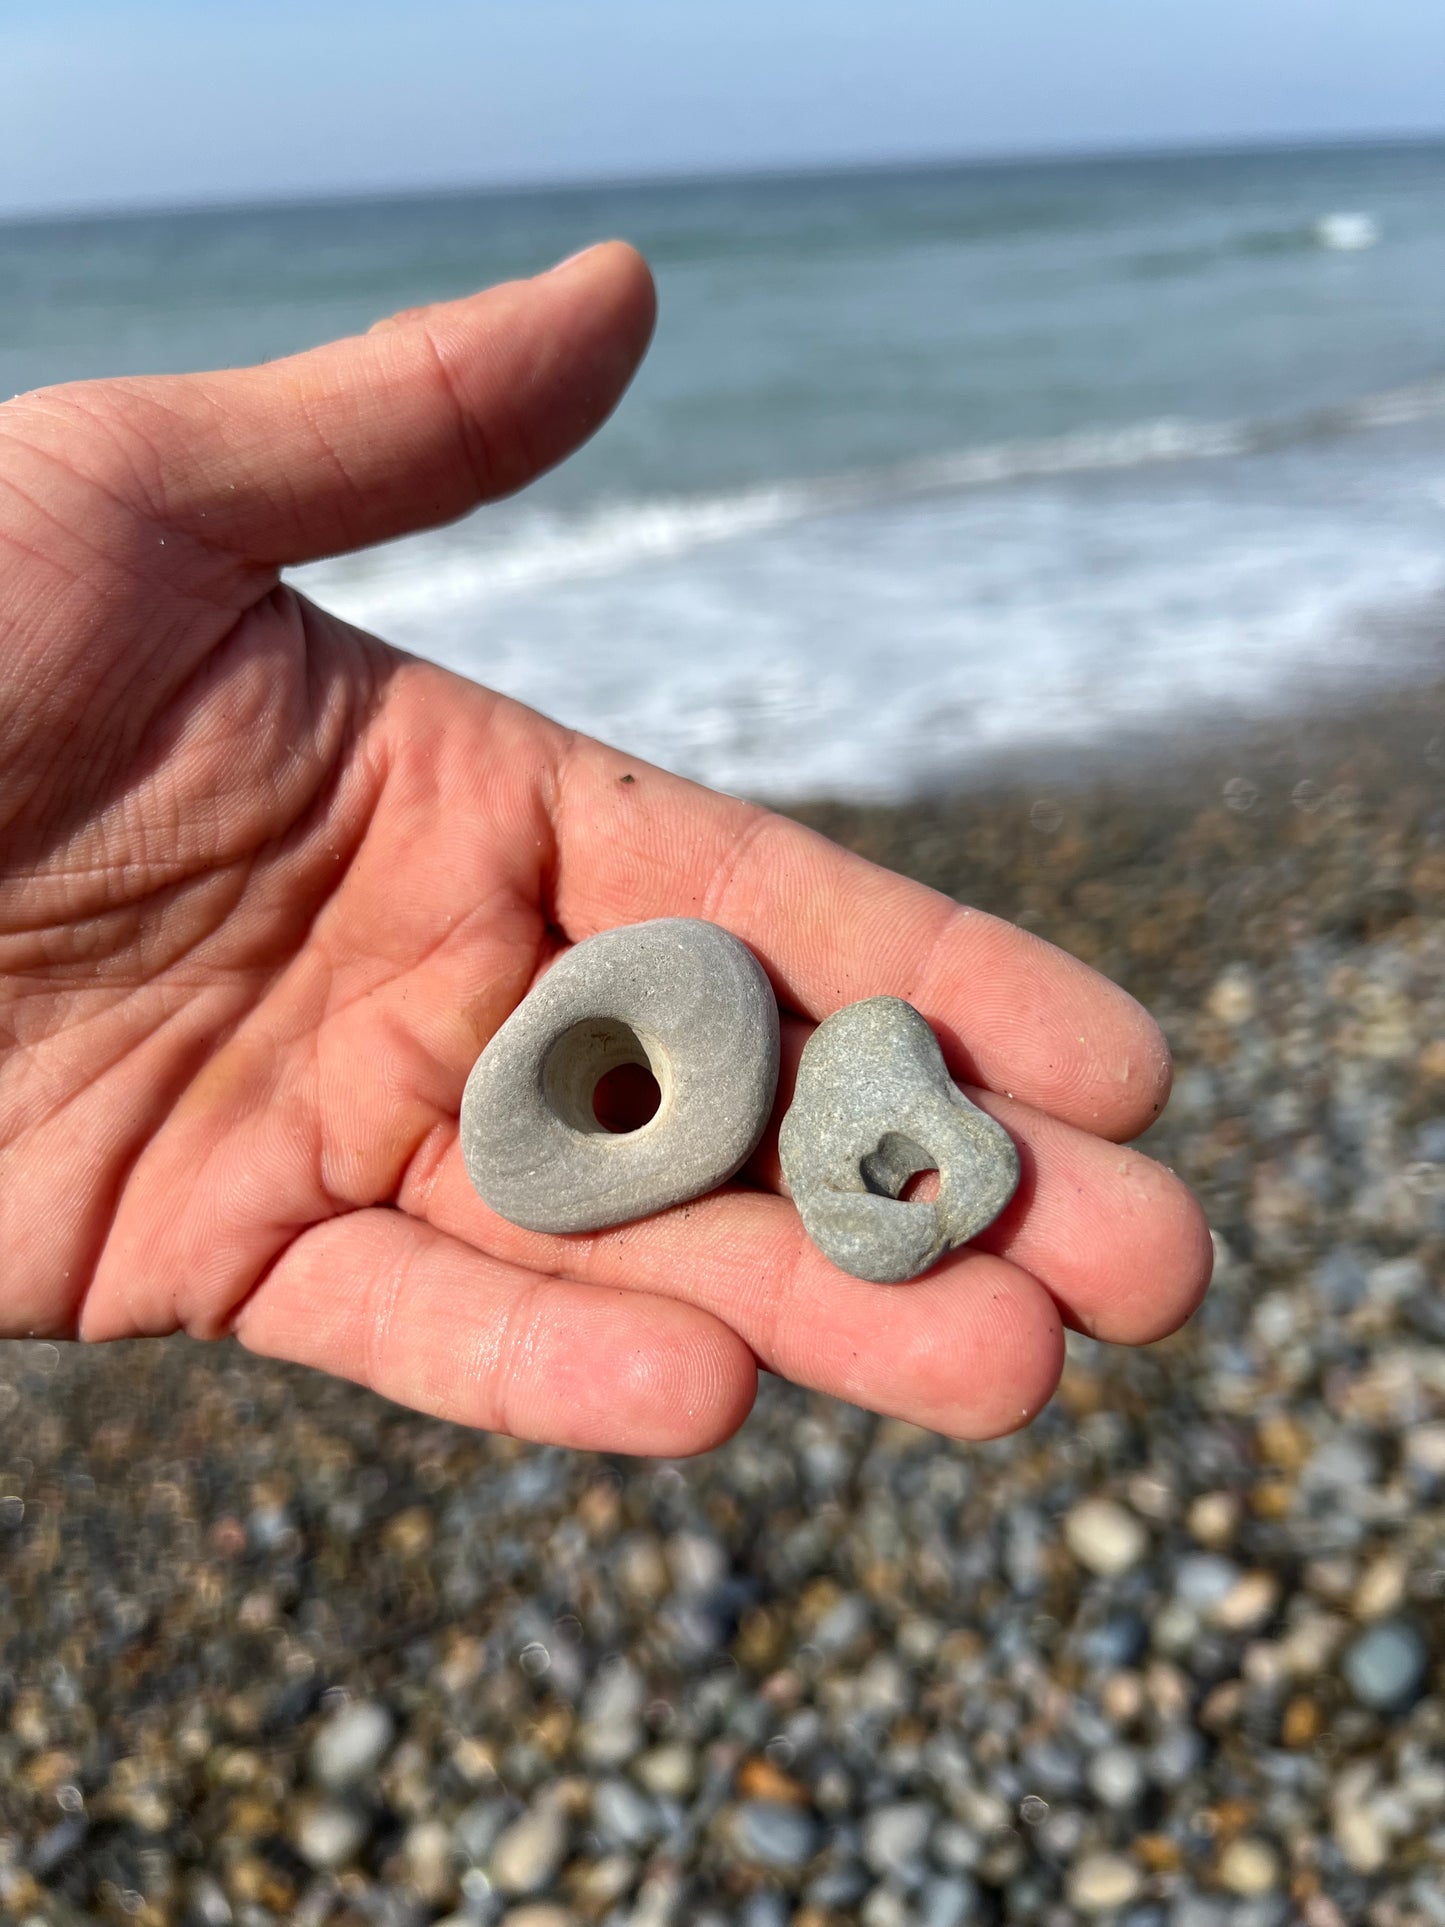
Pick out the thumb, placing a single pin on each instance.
(402, 428)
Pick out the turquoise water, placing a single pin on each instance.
(924, 467)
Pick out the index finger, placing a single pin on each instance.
(1013, 1013)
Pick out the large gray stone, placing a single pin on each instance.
(874, 1104)
(683, 998)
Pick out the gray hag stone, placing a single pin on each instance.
(874, 1105)
(677, 997)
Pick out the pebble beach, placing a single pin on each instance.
(272, 1650)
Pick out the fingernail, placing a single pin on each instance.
(572, 259)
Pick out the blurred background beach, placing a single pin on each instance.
(1066, 532)
(928, 468)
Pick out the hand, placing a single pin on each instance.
(267, 887)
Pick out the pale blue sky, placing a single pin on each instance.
(136, 101)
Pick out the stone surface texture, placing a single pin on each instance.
(684, 998)
(874, 1104)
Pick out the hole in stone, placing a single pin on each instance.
(626, 1098)
(602, 1076)
(892, 1166)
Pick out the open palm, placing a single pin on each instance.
(268, 886)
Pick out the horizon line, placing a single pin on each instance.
(1221, 147)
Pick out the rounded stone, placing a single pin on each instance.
(874, 1106)
(352, 1744)
(1104, 1537)
(774, 1835)
(680, 999)
(1388, 1666)
(328, 1834)
(1102, 1882)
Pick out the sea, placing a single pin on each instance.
(929, 471)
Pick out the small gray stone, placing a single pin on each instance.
(611, 1728)
(839, 1887)
(1387, 1666)
(351, 1745)
(950, 1902)
(885, 1907)
(680, 998)
(774, 1835)
(622, 1815)
(206, 1903)
(874, 1105)
(1116, 1776)
(1176, 1756)
(765, 1909)
(896, 1835)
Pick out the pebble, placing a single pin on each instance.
(774, 1835)
(1387, 1666)
(1381, 1590)
(329, 1834)
(623, 1816)
(885, 1907)
(872, 1107)
(1214, 1519)
(668, 1770)
(683, 1000)
(1104, 1537)
(1116, 1776)
(529, 1853)
(1100, 1883)
(765, 1908)
(611, 1726)
(895, 1837)
(951, 1902)
(1249, 1866)
(1249, 1604)
(1361, 1838)
(352, 1744)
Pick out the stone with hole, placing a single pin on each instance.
(638, 1073)
(874, 1106)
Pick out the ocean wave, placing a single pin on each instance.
(1342, 232)
(546, 548)
(879, 652)
(1347, 232)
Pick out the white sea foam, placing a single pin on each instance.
(863, 635)
(522, 551)
(1347, 232)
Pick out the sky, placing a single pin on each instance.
(160, 102)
